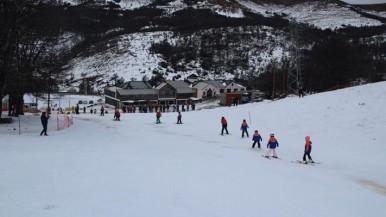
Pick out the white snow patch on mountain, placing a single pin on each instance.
(128, 56)
(320, 15)
(124, 4)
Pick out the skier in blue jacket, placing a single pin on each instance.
(244, 128)
(272, 144)
(256, 138)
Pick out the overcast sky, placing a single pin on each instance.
(365, 1)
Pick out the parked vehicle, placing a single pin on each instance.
(247, 97)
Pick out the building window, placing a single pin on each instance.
(228, 90)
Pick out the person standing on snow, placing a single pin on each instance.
(179, 116)
(272, 144)
(307, 150)
(44, 119)
(224, 124)
(244, 127)
(117, 115)
(158, 116)
(102, 111)
(256, 138)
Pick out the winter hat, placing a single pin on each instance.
(272, 135)
(307, 138)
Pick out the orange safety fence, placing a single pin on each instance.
(64, 120)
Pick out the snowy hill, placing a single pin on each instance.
(99, 167)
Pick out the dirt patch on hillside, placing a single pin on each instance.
(374, 186)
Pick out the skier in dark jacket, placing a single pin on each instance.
(117, 115)
(102, 111)
(256, 138)
(179, 116)
(44, 118)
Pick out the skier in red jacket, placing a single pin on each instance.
(224, 124)
(158, 116)
(307, 150)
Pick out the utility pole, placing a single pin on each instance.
(273, 82)
(294, 68)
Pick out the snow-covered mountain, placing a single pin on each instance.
(129, 55)
(330, 14)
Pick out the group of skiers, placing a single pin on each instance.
(272, 143)
(158, 116)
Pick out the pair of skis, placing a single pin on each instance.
(269, 158)
(312, 163)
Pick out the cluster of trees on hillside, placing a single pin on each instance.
(234, 50)
(331, 63)
(328, 59)
(32, 55)
(28, 61)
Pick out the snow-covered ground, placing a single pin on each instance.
(99, 167)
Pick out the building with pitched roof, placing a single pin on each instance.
(205, 90)
(171, 92)
(217, 87)
(141, 92)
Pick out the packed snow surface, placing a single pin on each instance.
(101, 168)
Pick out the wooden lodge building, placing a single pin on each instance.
(142, 93)
(172, 92)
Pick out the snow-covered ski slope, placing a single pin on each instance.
(102, 168)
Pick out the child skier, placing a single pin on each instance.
(256, 138)
(307, 150)
(179, 116)
(158, 115)
(224, 125)
(244, 127)
(272, 144)
(117, 115)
